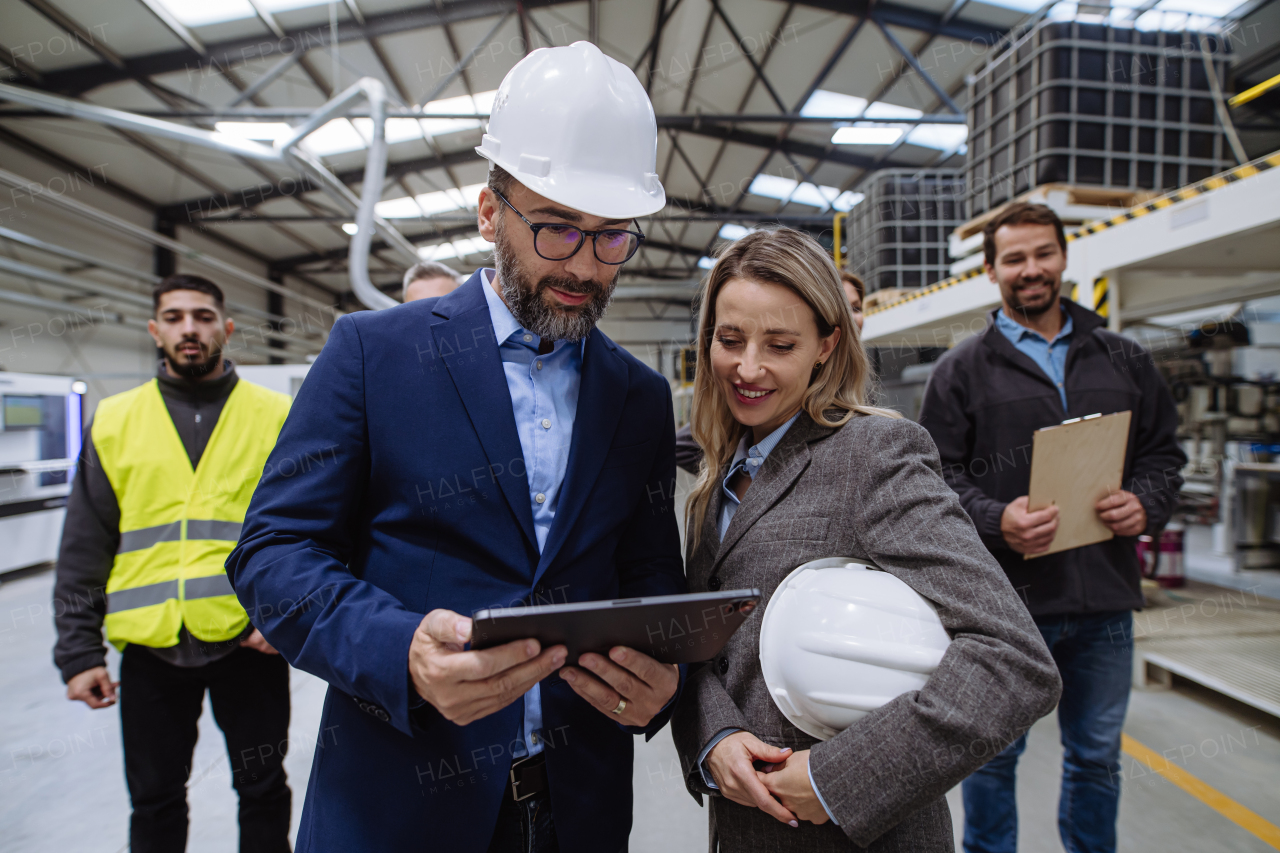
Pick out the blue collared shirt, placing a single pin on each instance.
(544, 397)
(749, 459)
(1049, 356)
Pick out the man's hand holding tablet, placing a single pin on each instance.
(467, 685)
(627, 685)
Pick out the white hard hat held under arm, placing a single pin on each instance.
(839, 640)
(576, 127)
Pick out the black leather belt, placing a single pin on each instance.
(528, 776)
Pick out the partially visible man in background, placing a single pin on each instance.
(161, 487)
(855, 291)
(427, 279)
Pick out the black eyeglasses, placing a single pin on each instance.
(556, 242)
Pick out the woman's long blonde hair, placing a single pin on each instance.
(837, 391)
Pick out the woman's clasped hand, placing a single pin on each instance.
(781, 788)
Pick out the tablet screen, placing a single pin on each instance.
(669, 628)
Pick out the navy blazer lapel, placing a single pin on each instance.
(601, 397)
(464, 341)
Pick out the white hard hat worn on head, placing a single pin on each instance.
(839, 640)
(577, 127)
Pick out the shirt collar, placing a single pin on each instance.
(755, 455)
(505, 325)
(1015, 330)
(504, 322)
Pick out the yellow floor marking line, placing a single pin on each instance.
(1211, 797)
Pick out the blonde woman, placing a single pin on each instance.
(798, 467)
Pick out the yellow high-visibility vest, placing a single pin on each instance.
(177, 526)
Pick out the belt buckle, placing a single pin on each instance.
(518, 764)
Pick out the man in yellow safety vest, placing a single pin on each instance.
(163, 482)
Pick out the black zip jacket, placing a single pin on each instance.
(982, 404)
(91, 535)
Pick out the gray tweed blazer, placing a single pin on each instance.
(870, 490)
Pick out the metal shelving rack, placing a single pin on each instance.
(1083, 103)
(898, 233)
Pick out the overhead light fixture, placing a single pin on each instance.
(351, 228)
(705, 263)
(866, 135)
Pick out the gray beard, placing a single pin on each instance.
(528, 305)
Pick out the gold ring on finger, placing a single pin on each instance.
(622, 706)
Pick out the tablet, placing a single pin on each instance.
(669, 628)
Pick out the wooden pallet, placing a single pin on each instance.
(1077, 194)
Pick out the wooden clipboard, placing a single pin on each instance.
(1074, 465)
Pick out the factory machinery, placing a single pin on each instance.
(40, 433)
(1225, 377)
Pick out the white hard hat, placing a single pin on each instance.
(839, 640)
(577, 127)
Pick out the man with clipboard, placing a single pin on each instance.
(1043, 360)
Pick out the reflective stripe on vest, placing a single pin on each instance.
(197, 528)
(178, 525)
(159, 593)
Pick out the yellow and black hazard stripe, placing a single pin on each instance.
(1101, 305)
(1239, 173)
(1248, 170)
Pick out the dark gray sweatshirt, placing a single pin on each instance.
(91, 535)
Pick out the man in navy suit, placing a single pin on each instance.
(486, 448)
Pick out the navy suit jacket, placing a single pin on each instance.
(397, 487)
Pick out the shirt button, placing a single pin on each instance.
(533, 738)
(540, 497)
(724, 665)
(546, 424)
(713, 583)
(528, 338)
(539, 365)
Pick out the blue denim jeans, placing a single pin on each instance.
(1095, 658)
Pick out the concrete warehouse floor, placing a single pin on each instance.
(62, 783)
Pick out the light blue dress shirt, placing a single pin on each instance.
(749, 459)
(544, 396)
(1049, 356)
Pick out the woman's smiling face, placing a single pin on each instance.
(764, 346)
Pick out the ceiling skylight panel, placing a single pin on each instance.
(267, 131)
(772, 186)
(733, 231)
(943, 137)
(480, 104)
(866, 134)
(200, 13)
(785, 189)
(824, 103)
(334, 137)
(398, 208)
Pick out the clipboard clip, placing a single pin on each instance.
(1084, 418)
